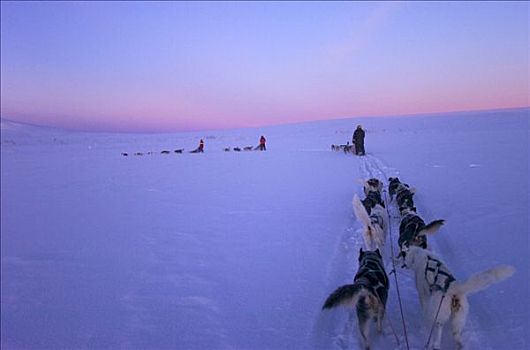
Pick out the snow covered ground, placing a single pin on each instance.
(227, 250)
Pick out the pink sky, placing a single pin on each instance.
(190, 66)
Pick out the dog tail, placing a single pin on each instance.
(432, 227)
(360, 211)
(347, 295)
(484, 279)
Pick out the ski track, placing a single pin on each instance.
(339, 330)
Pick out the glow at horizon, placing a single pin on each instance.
(171, 66)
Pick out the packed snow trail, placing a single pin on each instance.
(371, 166)
(338, 328)
(417, 329)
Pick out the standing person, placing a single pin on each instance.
(199, 149)
(262, 143)
(358, 140)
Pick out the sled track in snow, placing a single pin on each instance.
(372, 167)
(338, 329)
(417, 328)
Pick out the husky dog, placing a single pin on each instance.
(164, 152)
(125, 154)
(368, 293)
(437, 288)
(372, 185)
(413, 230)
(402, 192)
(375, 223)
(404, 197)
(372, 199)
(395, 186)
(247, 148)
(347, 148)
(237, 149)
(180, 150)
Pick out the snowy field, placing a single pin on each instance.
(228, 250)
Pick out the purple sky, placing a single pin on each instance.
(170, 66)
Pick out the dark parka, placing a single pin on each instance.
(358, 140)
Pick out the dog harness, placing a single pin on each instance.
(373, 274)
(404, 198)
(409, 228)
(437, 275)
(376, 220)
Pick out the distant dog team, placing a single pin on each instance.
(200, 149)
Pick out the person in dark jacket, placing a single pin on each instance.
(262, 143)
(358, 140)
(199, 149)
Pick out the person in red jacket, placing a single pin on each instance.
(262, 143)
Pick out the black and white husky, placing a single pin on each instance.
(372, 184)
(413, 231)
(438, 289)
(394, 185)
(368, 293)
(375, 223)
(402, 191)
(372, 199)
(404, 197)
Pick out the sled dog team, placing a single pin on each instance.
(200, 149)
(442, 297)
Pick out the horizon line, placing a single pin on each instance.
(402, 115)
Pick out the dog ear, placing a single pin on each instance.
(361, 253)
(378, 252)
